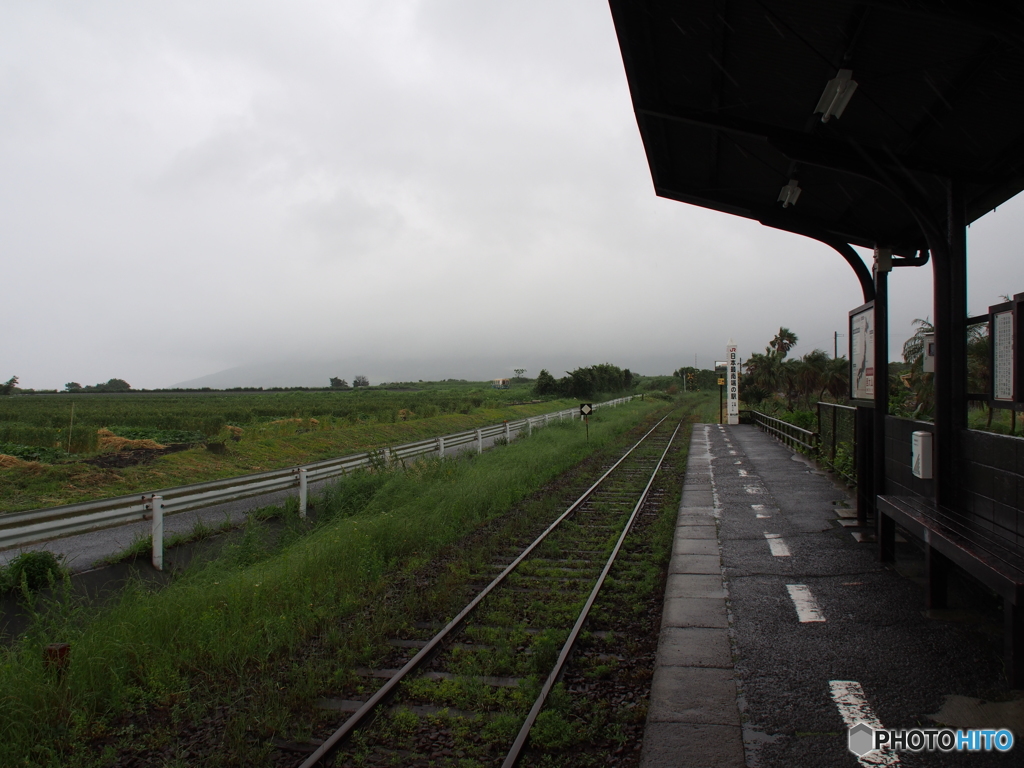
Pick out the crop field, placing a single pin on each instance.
(230, 654)
(66, 448)
(47, 420)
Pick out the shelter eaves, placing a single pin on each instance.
(725, 95)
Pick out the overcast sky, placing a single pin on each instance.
(189, 187)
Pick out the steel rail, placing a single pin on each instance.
(512, 758)
(20, 528)
(384, 692)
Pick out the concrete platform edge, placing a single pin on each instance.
(693, 717)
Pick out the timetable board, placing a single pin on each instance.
(1002, 355)
(1005, 326)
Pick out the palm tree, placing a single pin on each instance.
(920, 382)
(837, 378)
(784, 341)
(812, 376)
(913, 348)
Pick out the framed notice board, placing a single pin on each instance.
(1005, 328)
(862, 354)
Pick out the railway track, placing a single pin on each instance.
(492, 672)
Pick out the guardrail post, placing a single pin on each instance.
(529, 426)
(479, 441)
(157, 505)
(508, 433)
(303, 493)
(440, 447)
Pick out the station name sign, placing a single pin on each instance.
(733, 383)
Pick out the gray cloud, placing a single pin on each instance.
(416, 186)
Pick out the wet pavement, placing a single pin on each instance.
(791, 631)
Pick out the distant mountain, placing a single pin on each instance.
(317, 373)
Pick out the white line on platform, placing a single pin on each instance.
(854, 708)
(762, 516)
(737, 462)
(807, 609)
(743, 472)
(757, 506)
(752, 489)
(777, 545)
(732, 453)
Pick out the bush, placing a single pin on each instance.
(35, 569)
(803, 419)
(33, 453)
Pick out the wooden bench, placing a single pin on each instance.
(950, 538)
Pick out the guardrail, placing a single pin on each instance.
(19, 528)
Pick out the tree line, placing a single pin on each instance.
(584, 382)
(358, 381)
(794, 382)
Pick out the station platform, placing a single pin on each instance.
(780, 630)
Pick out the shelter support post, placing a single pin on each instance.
(881, 364)
(949, 265)
(864, 427)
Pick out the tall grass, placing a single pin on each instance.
(233, 619)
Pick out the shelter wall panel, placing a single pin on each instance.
(993, 491)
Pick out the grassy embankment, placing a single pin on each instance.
(225, 634)
(342, 423)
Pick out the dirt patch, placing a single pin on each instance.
(7, 462)
(132, 457)
(110, 441)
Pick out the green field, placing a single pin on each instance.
(258, 431)
(264, 630)
(47, 420)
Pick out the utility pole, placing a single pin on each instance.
(835, 344)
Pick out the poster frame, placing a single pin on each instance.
(855, 314)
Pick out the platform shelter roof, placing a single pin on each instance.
(728, 93)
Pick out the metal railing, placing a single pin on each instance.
(19, 528)
(833, 444)
(790, 434)
(837, 439)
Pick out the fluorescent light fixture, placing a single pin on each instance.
(790, 193)
(836, 96)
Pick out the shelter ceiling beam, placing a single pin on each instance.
(813, 149)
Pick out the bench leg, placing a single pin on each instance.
(886, 538)
(938, 577)
(1014, 644)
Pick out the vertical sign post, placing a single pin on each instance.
(733, 382)
(585, 410)
(721, 403)
(157, 508)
